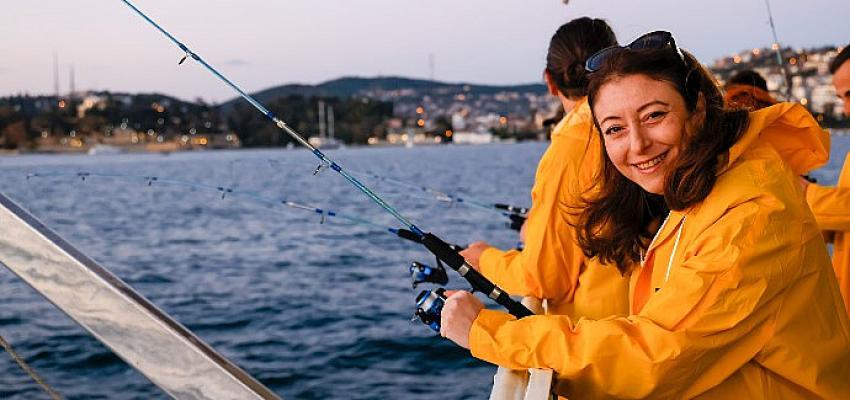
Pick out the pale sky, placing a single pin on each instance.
(260, 44)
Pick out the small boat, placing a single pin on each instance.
(325, 141)
(100, 149)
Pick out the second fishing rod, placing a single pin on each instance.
(434, 244)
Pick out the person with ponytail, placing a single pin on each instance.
(732, 295)
(551, 266)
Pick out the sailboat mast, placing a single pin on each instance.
(331, 122)
(321, 119)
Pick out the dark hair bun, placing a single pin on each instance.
(570, 47)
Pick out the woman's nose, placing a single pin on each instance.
(639, 140)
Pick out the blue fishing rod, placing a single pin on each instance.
(516, 214)
(419, 272)
(225, 191)
(442, 250)
(450, 198)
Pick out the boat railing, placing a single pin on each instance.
(532, 384)
(144, 336)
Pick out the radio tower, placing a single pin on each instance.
(56, 76)
(72, 86)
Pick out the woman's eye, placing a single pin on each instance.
(655, 115)
(613, 130)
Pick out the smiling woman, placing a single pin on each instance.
(732, 294)
(660, 114)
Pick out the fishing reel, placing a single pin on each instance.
(517, 221)
(429, 306)
(424, 273)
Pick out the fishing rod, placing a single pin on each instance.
(224, 191)
(516, 214)
(778, 51)
(500, 208)
(419, 272)
(434, 244)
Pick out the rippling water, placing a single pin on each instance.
(312, 310)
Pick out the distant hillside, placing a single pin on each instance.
(383, 88)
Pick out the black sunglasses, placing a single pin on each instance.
(652, 40)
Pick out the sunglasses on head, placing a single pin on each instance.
(652, 40)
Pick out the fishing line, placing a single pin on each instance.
(420, 273)
(325, 162)
(516, 214)
(437, 246)
(442, 196)
(436, 194)
(224, 192)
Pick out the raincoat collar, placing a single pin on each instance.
(667, 229)
(580, 114)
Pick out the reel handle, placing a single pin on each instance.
(516, 221)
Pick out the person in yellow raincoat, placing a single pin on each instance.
(551, 266)
(732, 294)
(831, 205)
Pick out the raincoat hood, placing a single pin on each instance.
(792, 131)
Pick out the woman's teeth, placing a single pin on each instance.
(651, 163)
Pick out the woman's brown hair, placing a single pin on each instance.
(619, 219)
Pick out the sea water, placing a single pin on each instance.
(313, 310)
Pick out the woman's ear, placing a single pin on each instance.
(550, 83)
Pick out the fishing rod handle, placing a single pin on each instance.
(444, 252)
(511, 208)
(413, 237)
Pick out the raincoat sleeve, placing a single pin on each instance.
(548, 266)
(831, 206)
(711, 317)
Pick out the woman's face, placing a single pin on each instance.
(642, 122)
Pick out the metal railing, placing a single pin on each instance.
(533, 384)
(144, 336)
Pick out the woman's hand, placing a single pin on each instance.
(472, 254)
(458, 314)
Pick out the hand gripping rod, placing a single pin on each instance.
(434, 244)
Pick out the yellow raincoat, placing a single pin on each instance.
(831, 206)
(552, 266)
(735, 299)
